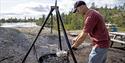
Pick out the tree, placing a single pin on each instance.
(124, 6)
(73, 22)
(2, 20)
(93, 6)
(40, 20)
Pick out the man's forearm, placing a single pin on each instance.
(78, 36)
(80, 39)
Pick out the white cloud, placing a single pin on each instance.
(27, 9)
(66, 5)
(33, 8)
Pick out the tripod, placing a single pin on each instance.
(59, 22)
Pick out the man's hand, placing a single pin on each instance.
(73, 48)
(74, 40)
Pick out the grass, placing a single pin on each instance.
(120, 29)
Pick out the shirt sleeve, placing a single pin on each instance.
(90, 24)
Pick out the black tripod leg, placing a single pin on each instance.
(58, 26)
(37, 35)
(51, 23)
(67, 40)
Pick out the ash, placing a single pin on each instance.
(51, 59)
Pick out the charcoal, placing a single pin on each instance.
(53, 59)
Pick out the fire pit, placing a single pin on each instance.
(53, 58)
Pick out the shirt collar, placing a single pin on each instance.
(86, 14)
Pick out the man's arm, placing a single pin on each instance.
(74, 40)
(79, 39)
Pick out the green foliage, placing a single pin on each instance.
(121, 29)
(73, 21)
(39, 21)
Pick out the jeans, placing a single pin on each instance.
(98, 55)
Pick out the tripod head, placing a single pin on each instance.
(55, 2)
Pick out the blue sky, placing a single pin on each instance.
(36, 8)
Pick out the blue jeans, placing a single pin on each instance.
(98, 55)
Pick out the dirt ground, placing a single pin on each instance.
(116, 54)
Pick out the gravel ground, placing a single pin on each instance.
(14, 43)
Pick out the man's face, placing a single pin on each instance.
(80, 9)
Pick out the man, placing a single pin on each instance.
(94, 26)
